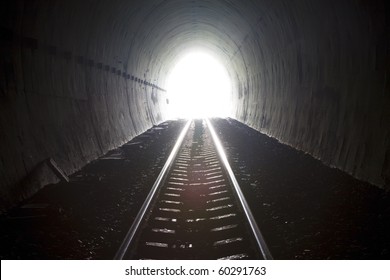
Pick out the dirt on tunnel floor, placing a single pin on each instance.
(304, 209)
(88, 217)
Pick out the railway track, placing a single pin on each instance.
(195, 209)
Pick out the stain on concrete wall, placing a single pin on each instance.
(320, 83)
(81, 77)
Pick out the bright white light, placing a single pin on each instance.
(198, 86)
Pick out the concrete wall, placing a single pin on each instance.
(78, 78)
(66, 92)
(319, 81)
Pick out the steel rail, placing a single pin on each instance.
(252, 222)
(140, 216)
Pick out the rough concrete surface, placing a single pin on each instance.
(78, 78)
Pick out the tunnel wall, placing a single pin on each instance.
(81, 77)
(66, 93)
(316, 77)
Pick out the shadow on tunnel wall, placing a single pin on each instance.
(78, 79)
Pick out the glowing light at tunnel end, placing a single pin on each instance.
(198, 86)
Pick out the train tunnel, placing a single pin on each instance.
(80, 78)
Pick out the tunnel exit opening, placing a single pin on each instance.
(198, 86)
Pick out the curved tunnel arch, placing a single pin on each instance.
(81, 77)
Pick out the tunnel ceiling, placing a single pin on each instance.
(81, 77)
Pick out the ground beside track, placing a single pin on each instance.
(304, 209)
(89, 217)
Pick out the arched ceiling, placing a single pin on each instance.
(305, 72)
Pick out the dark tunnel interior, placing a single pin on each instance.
(80, 78)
